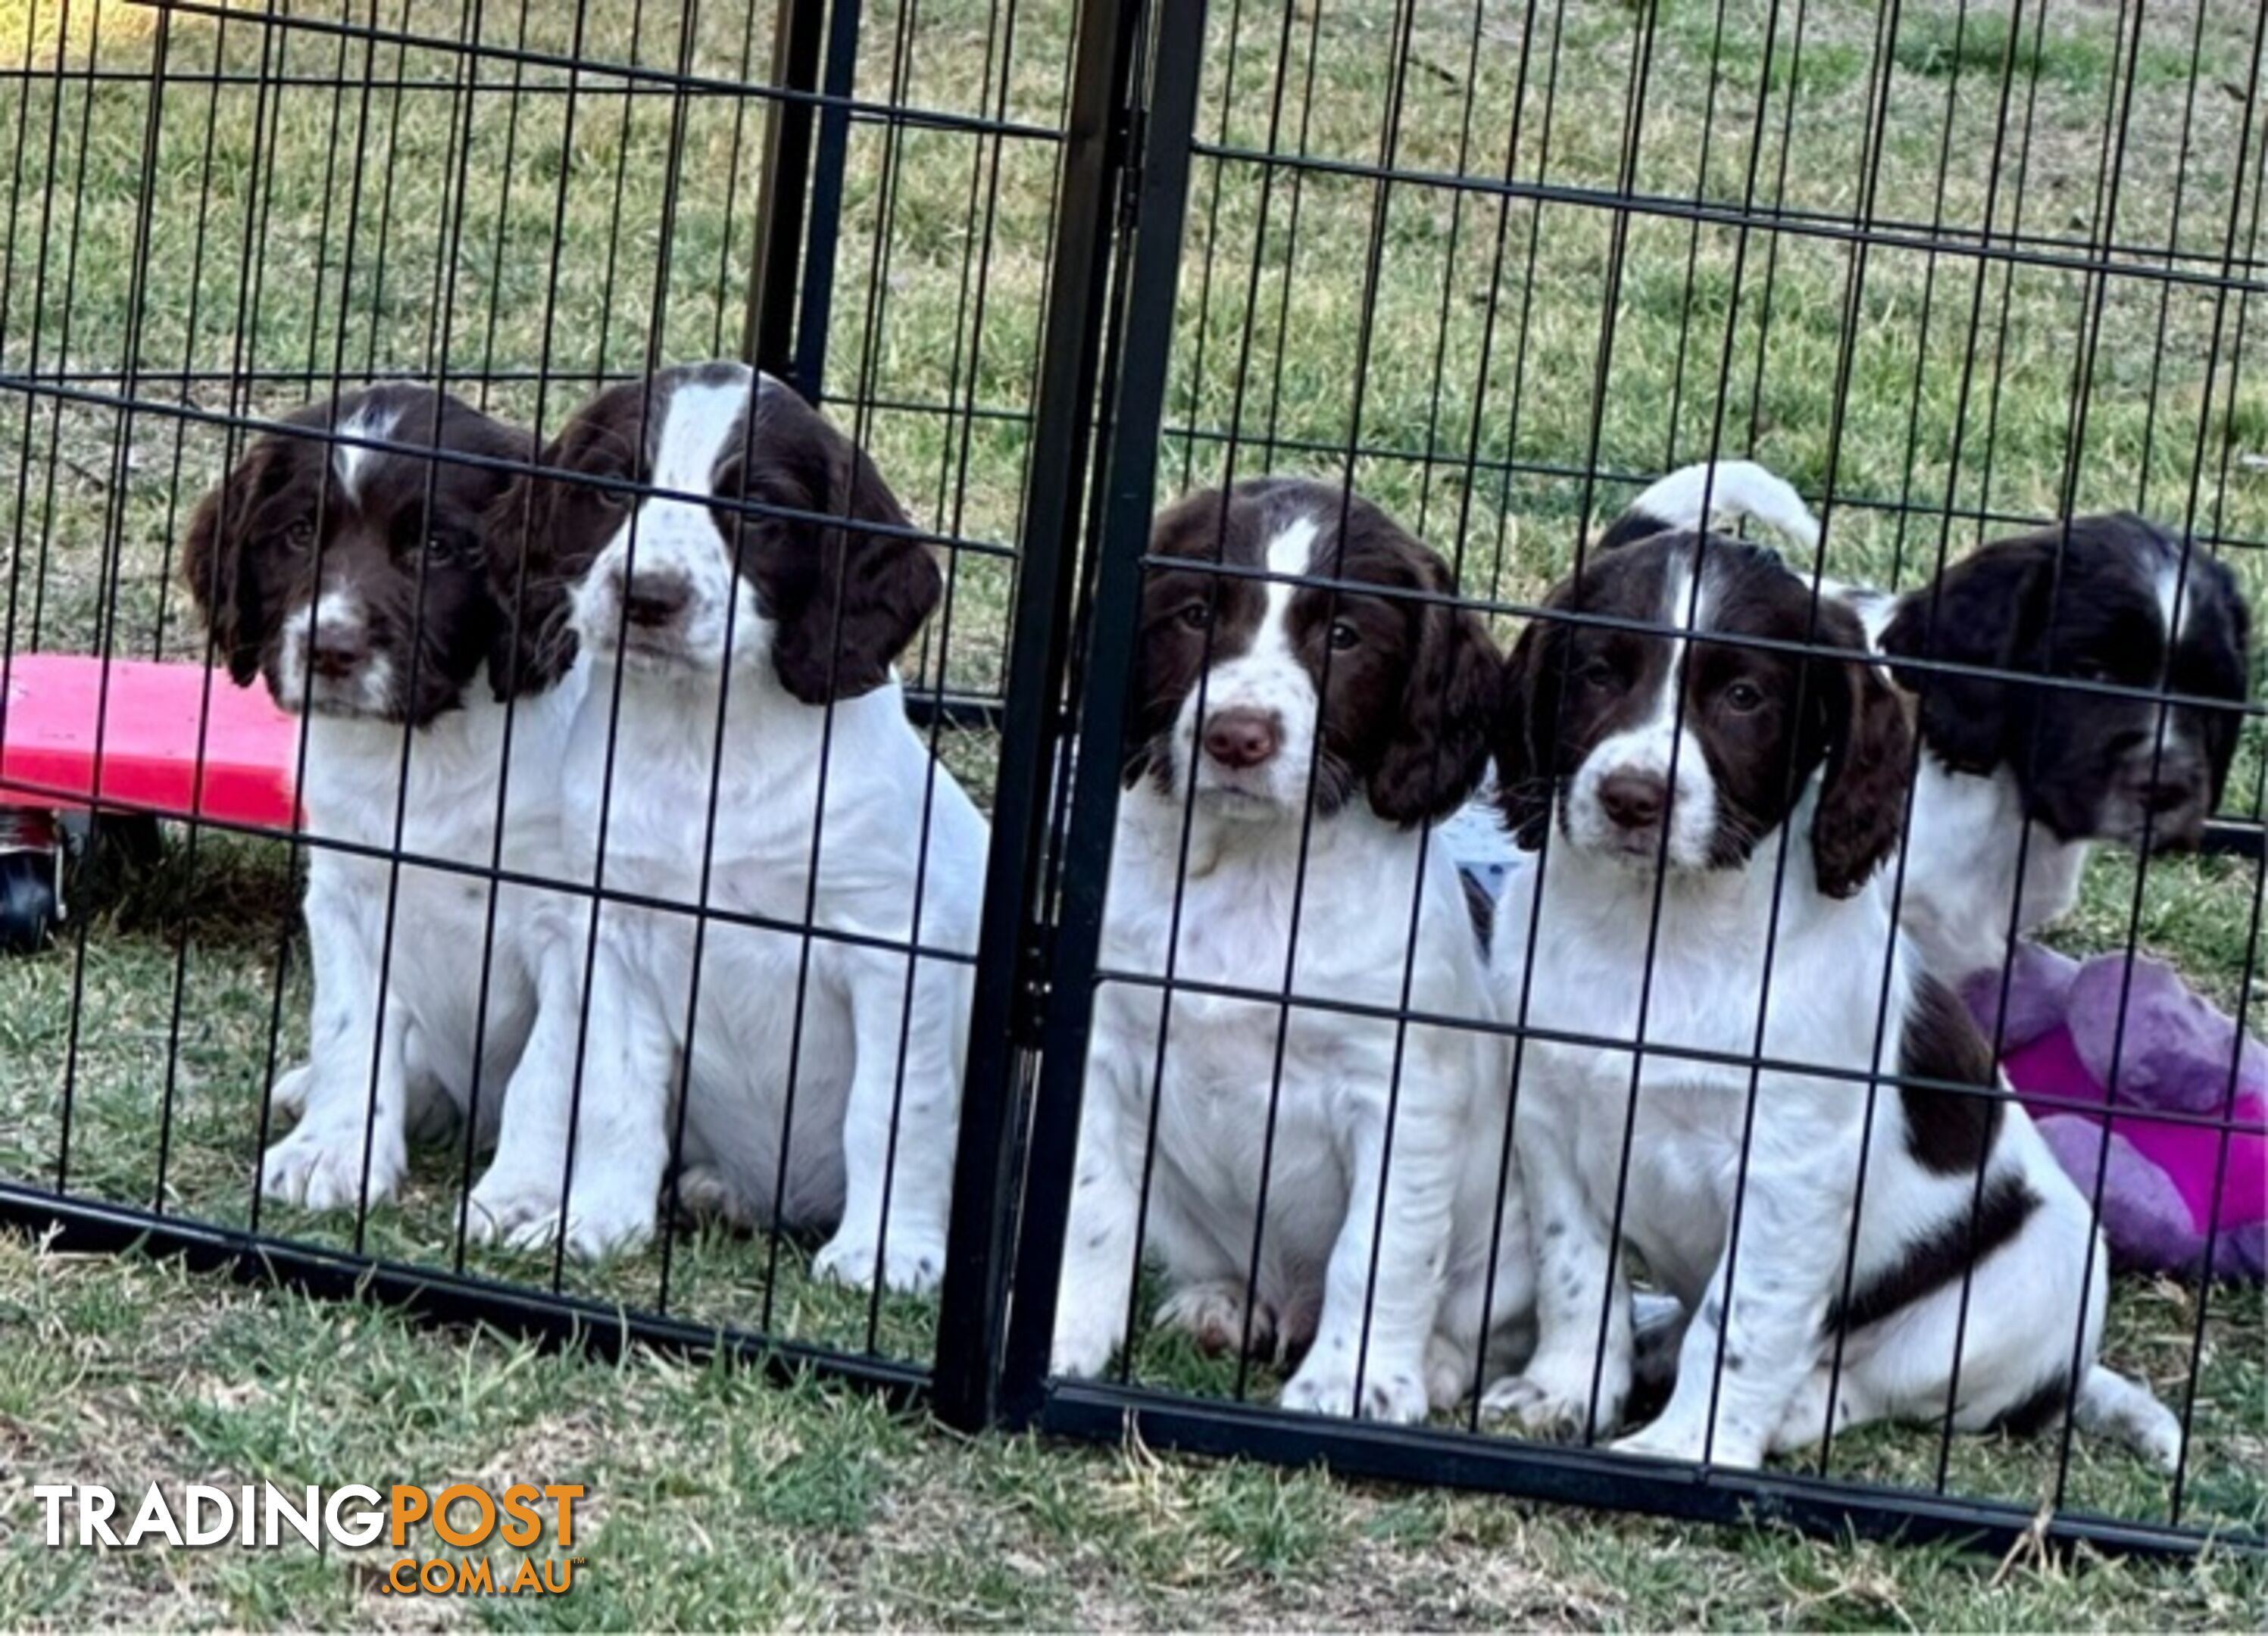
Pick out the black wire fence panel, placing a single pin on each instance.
(218, 215)
(1954, 269)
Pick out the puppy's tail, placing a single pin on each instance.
(2111, 1405)
(1691, 497)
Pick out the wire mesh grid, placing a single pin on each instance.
(219, 216)
(1494, 269)
(1956, 268)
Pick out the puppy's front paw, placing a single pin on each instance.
(322, 1167)
(1214, 1316)
(1387, 1392)
(522, 1209)
(1088, 1333)
(1551, 1410)
(910, 1263)
(1668, 1438)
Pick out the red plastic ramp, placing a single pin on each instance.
(177, 740)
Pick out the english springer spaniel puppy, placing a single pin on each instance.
(1752, 793)
(742, 748)
(1692, 496)
(350, 577)
(2020, 778)
(1289, 743)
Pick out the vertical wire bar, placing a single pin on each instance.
(885, 216)
(1721, 407)
(2249, 976)
(823, 217)
(1441, 319)
(604, 826)
(548, 337)
(1693, 234)
(766, 340)
(1527, 282)
(1193, 393)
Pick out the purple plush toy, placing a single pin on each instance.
(2166, 1187)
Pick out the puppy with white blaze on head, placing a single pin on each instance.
(1710, 798)
(1323, 1182)
(2018, 777)
(743, 749)
(350, 576)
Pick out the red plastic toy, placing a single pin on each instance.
(158, 740)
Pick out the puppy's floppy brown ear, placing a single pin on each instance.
(531, 645)
(1986, 610)
(1527, 721)
(845, 601)
(1869, 762)
(216, 567)
(1440, 743)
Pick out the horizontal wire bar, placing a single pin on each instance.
(877, 113)
(1876, 229)
(460, 379)
(1438, 1455)
(82, 1225)
(1756, 1062)
(1536, 612)
(1766, 219)
(26, 387)
(1339, 450)
(252, 80)
(17, 787)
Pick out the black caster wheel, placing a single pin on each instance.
(31, 880)
(131, 839)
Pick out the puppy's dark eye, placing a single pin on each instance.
(1596, 672)
(1743, 696)
(441, 547)
(300, 534)
(1343, 635)
(1197, 616)
(2091, 670)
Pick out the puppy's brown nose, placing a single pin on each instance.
(652, 600)
(1633, 800)
(1242, 738)
(336, 652)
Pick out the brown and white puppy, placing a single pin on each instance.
(1288, 747)
(2020, 776)
(345, 565)
(742, 749)
(1712, 770)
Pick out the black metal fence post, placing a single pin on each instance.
(1012, 967)
(1129, 477)
(782, 181)
(815, 302)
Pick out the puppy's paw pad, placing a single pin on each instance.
(1214, 1316)
(704, 1194)
(1395, 1396)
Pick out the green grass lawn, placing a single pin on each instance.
(716, 1499)
(400, 205)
